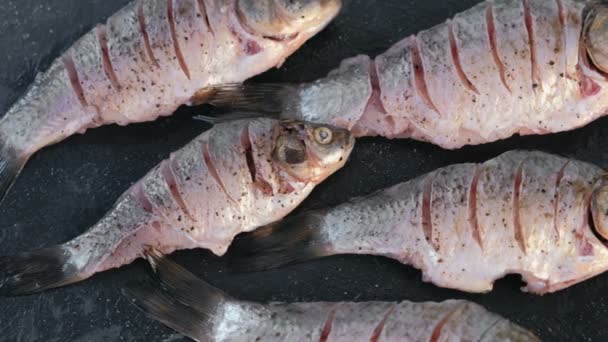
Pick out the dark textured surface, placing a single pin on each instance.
(67, 187)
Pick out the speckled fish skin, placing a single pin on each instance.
(451, 320)
(501, 68)
(203, 313)
(465, 226)
(476, 78)
(151, 57)
(228, 180)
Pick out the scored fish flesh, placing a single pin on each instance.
(465, 226)
(148, 59)
(501, 68)
(233, 178)
(196, 309)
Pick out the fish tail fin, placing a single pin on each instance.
(267, 99)
(183, 302)
(38, 270)
(290, 241)
(11, 164)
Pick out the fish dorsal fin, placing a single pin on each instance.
(258, 97)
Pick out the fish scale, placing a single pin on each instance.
(133, 65)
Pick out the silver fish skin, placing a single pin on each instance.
(233, 178)
(501, 68)
(194, 308)
(464, 226)
(148, 59)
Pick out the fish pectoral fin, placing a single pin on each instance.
(290, 241)
(36, 271)
(177, 298)
(269, 98)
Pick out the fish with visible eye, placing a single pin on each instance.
(233, 178)
(501, 68)
(148, 59)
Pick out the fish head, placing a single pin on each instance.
(285, 19)
(595, 36)
(599, 207)
(311, 152)
(504, 330)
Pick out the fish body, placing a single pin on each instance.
(465, 226)
(501, 68)
(148, 59)
(203, 313)
(233, 178)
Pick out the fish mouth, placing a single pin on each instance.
(283, 37)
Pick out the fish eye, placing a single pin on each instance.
(323, 135)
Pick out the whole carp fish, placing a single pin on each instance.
(233, 178)
(465, 226)
(196, 309)
(148, 59)
(501, 68)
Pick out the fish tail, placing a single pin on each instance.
(177, 298)
(265, 99)
(38, 270)
(11, 164)
(290, 241)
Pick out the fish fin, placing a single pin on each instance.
(290, 241)
(232, 116)
(36, 271)
(179, 300)
(184, 285)
(258, 97)
(161, 306)
(11, 164)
